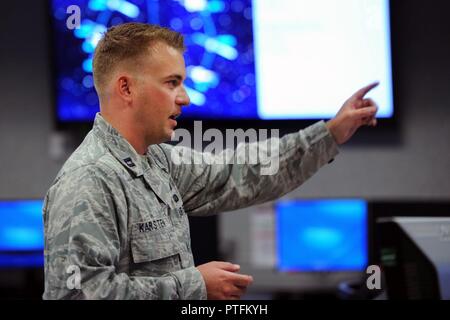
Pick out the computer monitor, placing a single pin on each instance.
(21, 233)
(321, 235)
(415, 255)
(261, 61)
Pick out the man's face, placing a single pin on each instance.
(160, 93)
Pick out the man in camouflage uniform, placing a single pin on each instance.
(115, 217)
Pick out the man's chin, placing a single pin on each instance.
(166, 137)
(169, 136)
(172, 136)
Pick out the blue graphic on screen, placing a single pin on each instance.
(220, 68)
(21, 233)
(321, 235)
(245, 59)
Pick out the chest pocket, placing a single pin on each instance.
(154, 255)
(153, 247)
(162, 245)
(153, 240)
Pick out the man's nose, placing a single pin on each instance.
(183, 98)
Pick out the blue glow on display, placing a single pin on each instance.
(321, 235)
(21, 225)
(22, 260)
(304, 58)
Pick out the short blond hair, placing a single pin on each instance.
(128, 41)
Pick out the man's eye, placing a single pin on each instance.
(173, 83)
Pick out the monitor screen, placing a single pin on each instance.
(321, 235)
(415, 255)
(260, 59)
(21, 233)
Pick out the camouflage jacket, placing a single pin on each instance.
(115, 221)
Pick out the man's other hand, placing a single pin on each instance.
(356, 112)
(222, 280)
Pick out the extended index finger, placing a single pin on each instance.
(363, 91)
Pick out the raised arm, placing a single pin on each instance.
(212, 183)
(230, 180)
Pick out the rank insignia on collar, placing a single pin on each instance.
(129, 162)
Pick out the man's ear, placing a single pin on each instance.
(124, 87)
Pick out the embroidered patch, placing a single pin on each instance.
(129, 162)
(151, 225)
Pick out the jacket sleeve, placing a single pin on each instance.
(83, 245)
(252, 173)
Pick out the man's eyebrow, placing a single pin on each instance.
(176, 76)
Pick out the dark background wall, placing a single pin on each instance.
(415, 166)
(412, 163)
(25, 105)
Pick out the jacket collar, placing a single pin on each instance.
(138, 165)
(120, 148)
